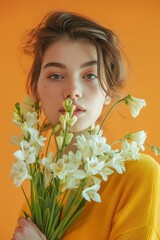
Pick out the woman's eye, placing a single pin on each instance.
(90, 76)
(56, 76)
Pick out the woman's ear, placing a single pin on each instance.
(107, 100)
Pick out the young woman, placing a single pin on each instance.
(74, 57)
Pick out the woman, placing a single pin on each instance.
(74, 57)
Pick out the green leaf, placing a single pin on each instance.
(38, 216)
(26, 215)
(46, 218)
(81, 205)
(70, 223)
(55, 225)
(69, 201)
(28, 203)
(53, 213)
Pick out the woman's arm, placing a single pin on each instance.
(27, 230)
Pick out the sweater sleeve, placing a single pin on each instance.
(138, 212)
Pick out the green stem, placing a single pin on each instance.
(114, 105)
(64, 145)
(49, 142)
(64, 195)
(29, 205)
(114, 142)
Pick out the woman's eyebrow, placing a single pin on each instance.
(54, 64)
(90, 63)
(61, 65)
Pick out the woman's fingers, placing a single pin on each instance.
(22, 222)
(27, 230)
(36, 229)
(17, 234)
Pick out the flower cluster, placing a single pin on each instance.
(61, 182)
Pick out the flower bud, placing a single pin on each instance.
(72, 121)
(59, 140)
(67, 117)
(25, 131)
(63, 122)
(67, 104)
(56, 128)
(16, 116)
(69, 137)
(73, 107)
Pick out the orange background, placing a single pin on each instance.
(137, 23)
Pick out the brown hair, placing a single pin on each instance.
(59, 25)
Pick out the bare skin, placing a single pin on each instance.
(27, 230)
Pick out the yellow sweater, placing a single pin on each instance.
(130, 207)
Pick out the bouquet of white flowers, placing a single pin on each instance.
(61, 183)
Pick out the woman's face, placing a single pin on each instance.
(69, 70)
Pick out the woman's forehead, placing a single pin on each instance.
(67, 49)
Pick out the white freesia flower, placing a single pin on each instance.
(84, 146)
(47, 161)
(105, 172)
(92, 180)
(67, 170)
(91, 193)
(98, 145)
(118, 160)
(95, 130)
(92, 146)
(138, 137)
(31, 119)
(130, 151)
(67, 164)
(134, 104)
(60, 168)
(19, 173)
(25, 132)
(28, 105)
(92, 165)
(72, 179)
(35, 137)
(27, 153)
(75, 160)
(48, 175)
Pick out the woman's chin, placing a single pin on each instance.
(78, 129)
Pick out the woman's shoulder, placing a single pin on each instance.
(144, 165)
(143, 173)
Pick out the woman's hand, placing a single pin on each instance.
(27, 230)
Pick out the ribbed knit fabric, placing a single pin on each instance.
(130, 207)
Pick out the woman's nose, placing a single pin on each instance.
(73, 91)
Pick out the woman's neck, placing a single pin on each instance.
(72, 147)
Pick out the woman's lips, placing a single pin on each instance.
(78, 111)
